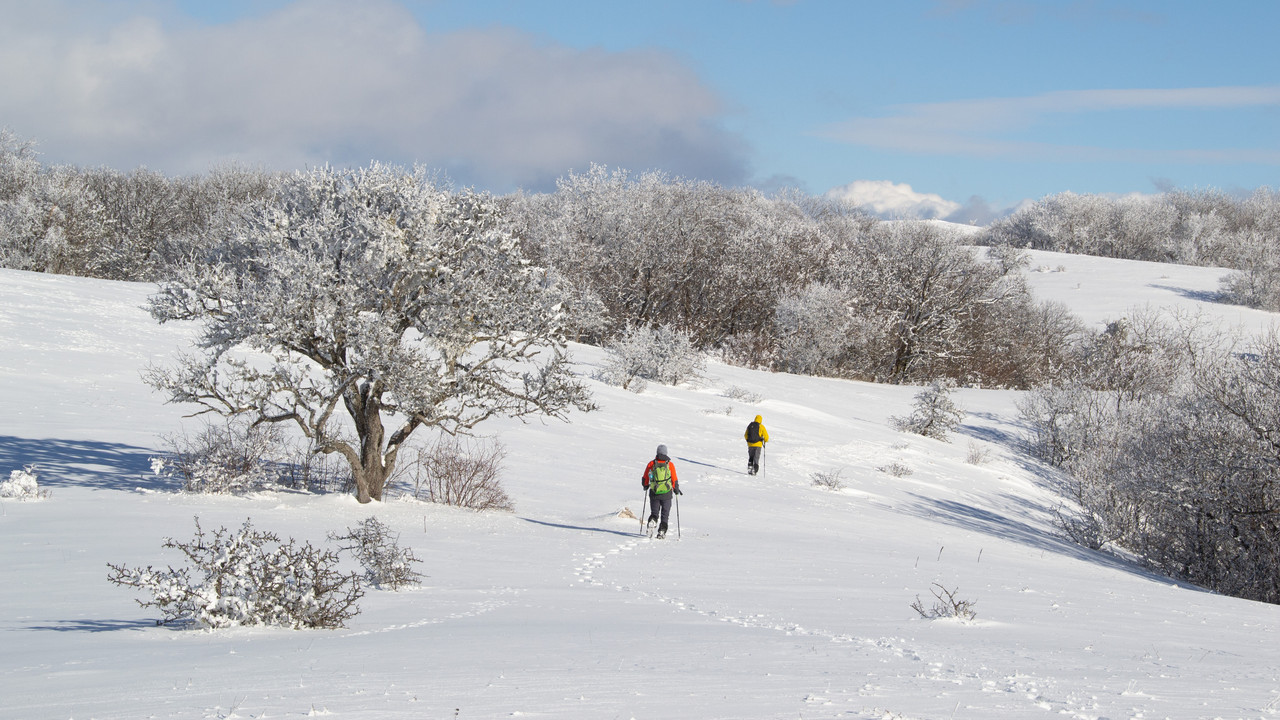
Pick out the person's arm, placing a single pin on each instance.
(644, 479)
(675, 482)
(764, 434)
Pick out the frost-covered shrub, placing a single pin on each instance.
(945, 605)
(235, 457)
(741, 394)
(249, 577)
(386, 564)
(461, 473)
(662, 354)
(828, 479)
(933, 414)
(22, 485)
(977, 454)
(896, 469)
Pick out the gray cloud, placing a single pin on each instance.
(325, 81)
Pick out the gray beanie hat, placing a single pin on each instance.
(662, 449)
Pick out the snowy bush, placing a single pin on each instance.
(22, 485)
(386, 564)
(945, 605)
(741, 394)
(235, 457)
(933, 414)
(896, 469)
(249, 577)
(662, 354)
(977, 455)
(461, 473)
(828, 479)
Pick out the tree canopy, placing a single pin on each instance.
(375, 294)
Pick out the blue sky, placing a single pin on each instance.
(958, 108)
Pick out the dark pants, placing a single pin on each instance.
(660, 507)
(753, 458)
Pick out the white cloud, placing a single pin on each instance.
(894, 200)
(345, 83)
(977, 127)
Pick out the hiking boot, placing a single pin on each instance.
(653, 520)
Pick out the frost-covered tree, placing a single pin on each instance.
(19, 166)
(813, 328)
(662, 354)
(658, 250)
(922, 288)
(55, 224)
(1168, 434)
(370, 293)
(933, 413)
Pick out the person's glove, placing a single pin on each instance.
(679, 491)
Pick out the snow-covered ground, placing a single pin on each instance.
(776, 600)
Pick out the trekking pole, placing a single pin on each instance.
(677, 516)
(643, 505)
(764, 467)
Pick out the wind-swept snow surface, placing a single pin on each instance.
(775, 599)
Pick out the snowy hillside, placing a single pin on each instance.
(777, 599)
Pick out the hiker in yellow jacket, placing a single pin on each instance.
(756, 436)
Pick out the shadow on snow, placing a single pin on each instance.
(968, 517)
(582, 528)
(96, 626)
(81, 463)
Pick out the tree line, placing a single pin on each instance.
(787, 282)
(1206, 227)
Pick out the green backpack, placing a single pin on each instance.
(660, 478)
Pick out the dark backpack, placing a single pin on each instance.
(753, 433)
(660, 478)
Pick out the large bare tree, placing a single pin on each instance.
(375, 295)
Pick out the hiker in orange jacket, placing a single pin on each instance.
(756, 436)
(660, 480)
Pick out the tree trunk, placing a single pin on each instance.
(370, 477)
